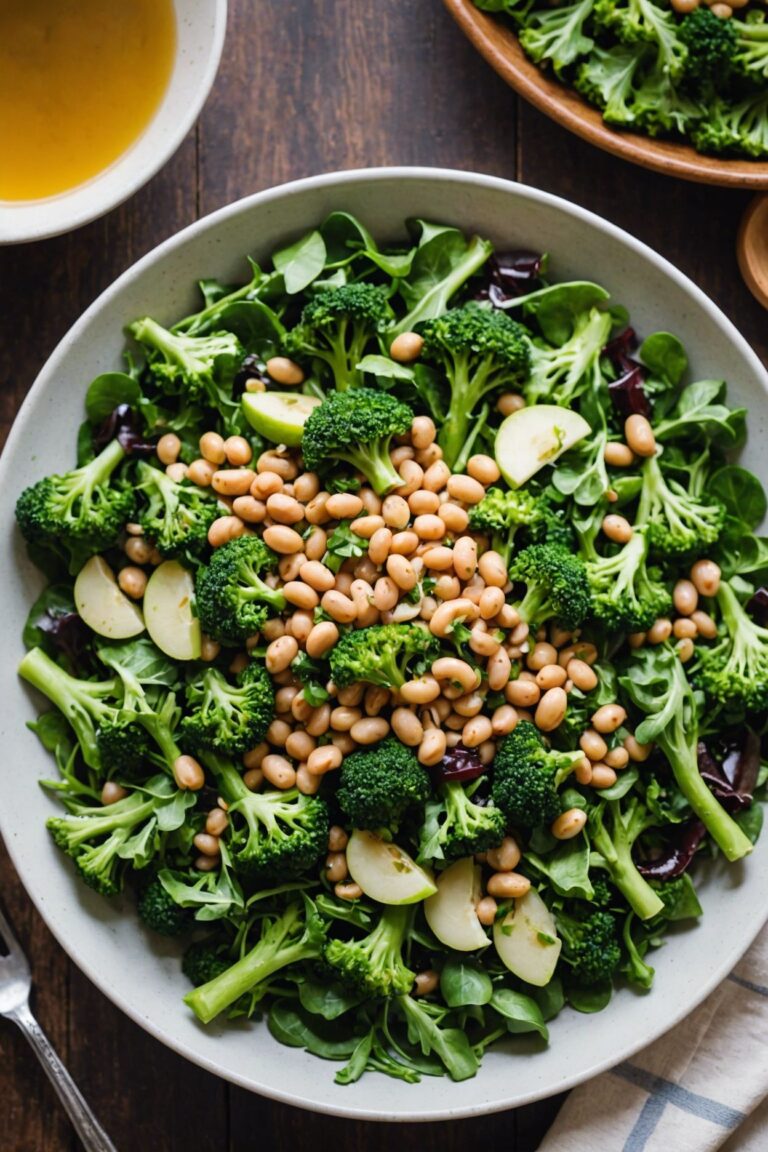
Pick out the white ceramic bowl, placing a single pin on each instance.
(141, 975)
(200, 28)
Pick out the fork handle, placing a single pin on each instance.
(92, 1135)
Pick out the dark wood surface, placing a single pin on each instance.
(305, 86)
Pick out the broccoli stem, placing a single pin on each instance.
(80, 701)
(374, 462)
(148, 331)
(275, 950)
(616, 849)
(740, 627)
(729, 837)
(465, 393)
(99, 470)
(91, 823)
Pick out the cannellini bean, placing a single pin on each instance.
(551, 709)
(212, 448)
(569, 824)
(493, 570)
(421, 691)
(608, 718)
(433, 747)
(285, 371)
(465, 489)
(452, 610)
(344, 505)
(458, 671)
(465, 557)
(507, 885)
(282, 539)
(280, 653)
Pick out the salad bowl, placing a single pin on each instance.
(103, 938)
(498, 44)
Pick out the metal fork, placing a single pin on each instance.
(15, 984)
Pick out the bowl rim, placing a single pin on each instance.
(290, 189)
(502, 50)
(25, 221)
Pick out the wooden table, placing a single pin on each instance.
(305, 86)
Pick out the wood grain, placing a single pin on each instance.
(305, 86)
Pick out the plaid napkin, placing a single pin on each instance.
(703, 1086)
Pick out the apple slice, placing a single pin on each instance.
(279, 416)
(171, 623)
(102, 605)
(451, 914)
(535, 436)
(386, 872)
(527, 941)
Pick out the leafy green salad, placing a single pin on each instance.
(684, 69)
(406, 641)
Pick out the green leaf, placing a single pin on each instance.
(521, 1013)
(327, 1000)
(301, 263)
(296, 1028)
(567, 868)
(550, 998)
(54, 601)
(463, 982)
(346, 239)
(557, 307)
(592, 999)
(386, 368)
(107, 391)
(665, 357)
(743, 496)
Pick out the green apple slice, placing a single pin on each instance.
(279, 416)
(386, 872)
(451, 914)
(535, 436)
(527, 941)
(102, 605)
(170, 620)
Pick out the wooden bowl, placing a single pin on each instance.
(496, 41)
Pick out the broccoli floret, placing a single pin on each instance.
(297, 934)
(194, 366)
(656, 683)
(526, 776)
(556, 585)
(735, 126)
(78, 512)
(614, 826)
(96, 838)
(479, 350)
(750, 54)
(643, 21)
(558, 34)
(375, 964)
(380, 784)
(500, 514)
(233, 600)
(386, 654)
(464, 826)
(663, 106)
(357, 427)
(680, 899)
(626, 594)
(561, 375)
(177, 516)
(608, 77)
(204, 960)
(675, 522)
(336, 327)
(710, 43)
(734, 671)
(160, 912)
(226, 717)
(93, 709)
(275, 836)
(590, 946)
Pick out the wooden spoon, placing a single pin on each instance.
(752, 248)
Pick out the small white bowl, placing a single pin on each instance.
(200, 28)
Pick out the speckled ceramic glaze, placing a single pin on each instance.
(200, 28)
(142, 975)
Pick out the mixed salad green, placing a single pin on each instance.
(407, 647)
(681, 69)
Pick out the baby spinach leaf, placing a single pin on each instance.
(301, 263)
(298, 1029)
(664, 357)
(327, 1000)
(521, 1013)
(444, 260)
(742, 494)
(463, 982)
(346, 239)
(108, 391)
(550, 998)
(557, 307)
(567, 868)
(592, 999)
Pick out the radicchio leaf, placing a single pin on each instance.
(68, 632)
(678, 853)
(626, 391)
(459, 764)
(121, 425)
(512, 274)
(757, 607)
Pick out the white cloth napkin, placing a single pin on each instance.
(702, 1087)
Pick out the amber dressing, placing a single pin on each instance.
(79, 81)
